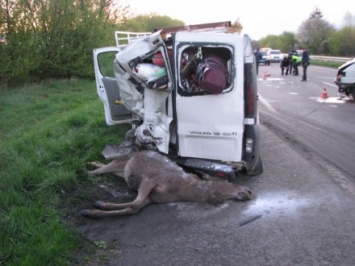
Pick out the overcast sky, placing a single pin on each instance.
(259, 18)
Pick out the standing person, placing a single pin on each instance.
(305, 63)
(296, 61)
(258, 56)
(284, 65)
(290, 67)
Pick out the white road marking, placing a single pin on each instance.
(271, 79)
(266, 103)
(329, 84)
(329, 100)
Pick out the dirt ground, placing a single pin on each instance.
(96, 252)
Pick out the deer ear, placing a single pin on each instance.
(203, 175)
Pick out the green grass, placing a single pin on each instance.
(326, 63)
(48, 133)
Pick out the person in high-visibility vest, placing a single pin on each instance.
(296, 61)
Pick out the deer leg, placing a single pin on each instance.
(112, 167)
(101, 213)
(115, 209)
(97, 164)
(205, 176)
(143, 191)
(104, 168)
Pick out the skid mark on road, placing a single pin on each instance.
(344, 181)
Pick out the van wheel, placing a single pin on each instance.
(353, 93)
(259, 168)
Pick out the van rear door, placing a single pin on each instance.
(209, 126)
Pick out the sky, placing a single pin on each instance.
(259, 18)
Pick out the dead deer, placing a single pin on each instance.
(159, 180)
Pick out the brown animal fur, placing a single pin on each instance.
(159, 180)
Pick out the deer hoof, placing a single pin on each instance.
(89, 213)
(96, 164)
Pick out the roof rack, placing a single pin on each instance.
(124, 37)
(215, 27)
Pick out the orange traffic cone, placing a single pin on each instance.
(324, 94)
(265, 75)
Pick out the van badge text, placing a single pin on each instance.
(210, 133)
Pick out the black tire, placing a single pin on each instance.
(353, 93)
(259, 168)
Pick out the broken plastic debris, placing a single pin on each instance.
(249, 220)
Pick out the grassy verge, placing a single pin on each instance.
(326, 63)
(47, 135)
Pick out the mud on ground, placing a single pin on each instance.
(96, 251)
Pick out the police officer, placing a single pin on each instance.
(290, 66)
(258, 56)
(296, 61)
(284, 65)
(305, 63)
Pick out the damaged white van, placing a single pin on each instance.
(188, 92)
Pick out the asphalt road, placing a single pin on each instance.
(326, 126)
(302, 211)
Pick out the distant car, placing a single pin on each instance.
(265, 59)
(275, 55)
(299, 52)
(345, 79)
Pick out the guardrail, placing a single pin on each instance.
(331, 58)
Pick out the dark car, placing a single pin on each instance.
(265, 59)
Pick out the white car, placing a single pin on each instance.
(265, 59)
(275, 55)
(345, 79)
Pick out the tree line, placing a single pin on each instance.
(54, 39)
(318, 35)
